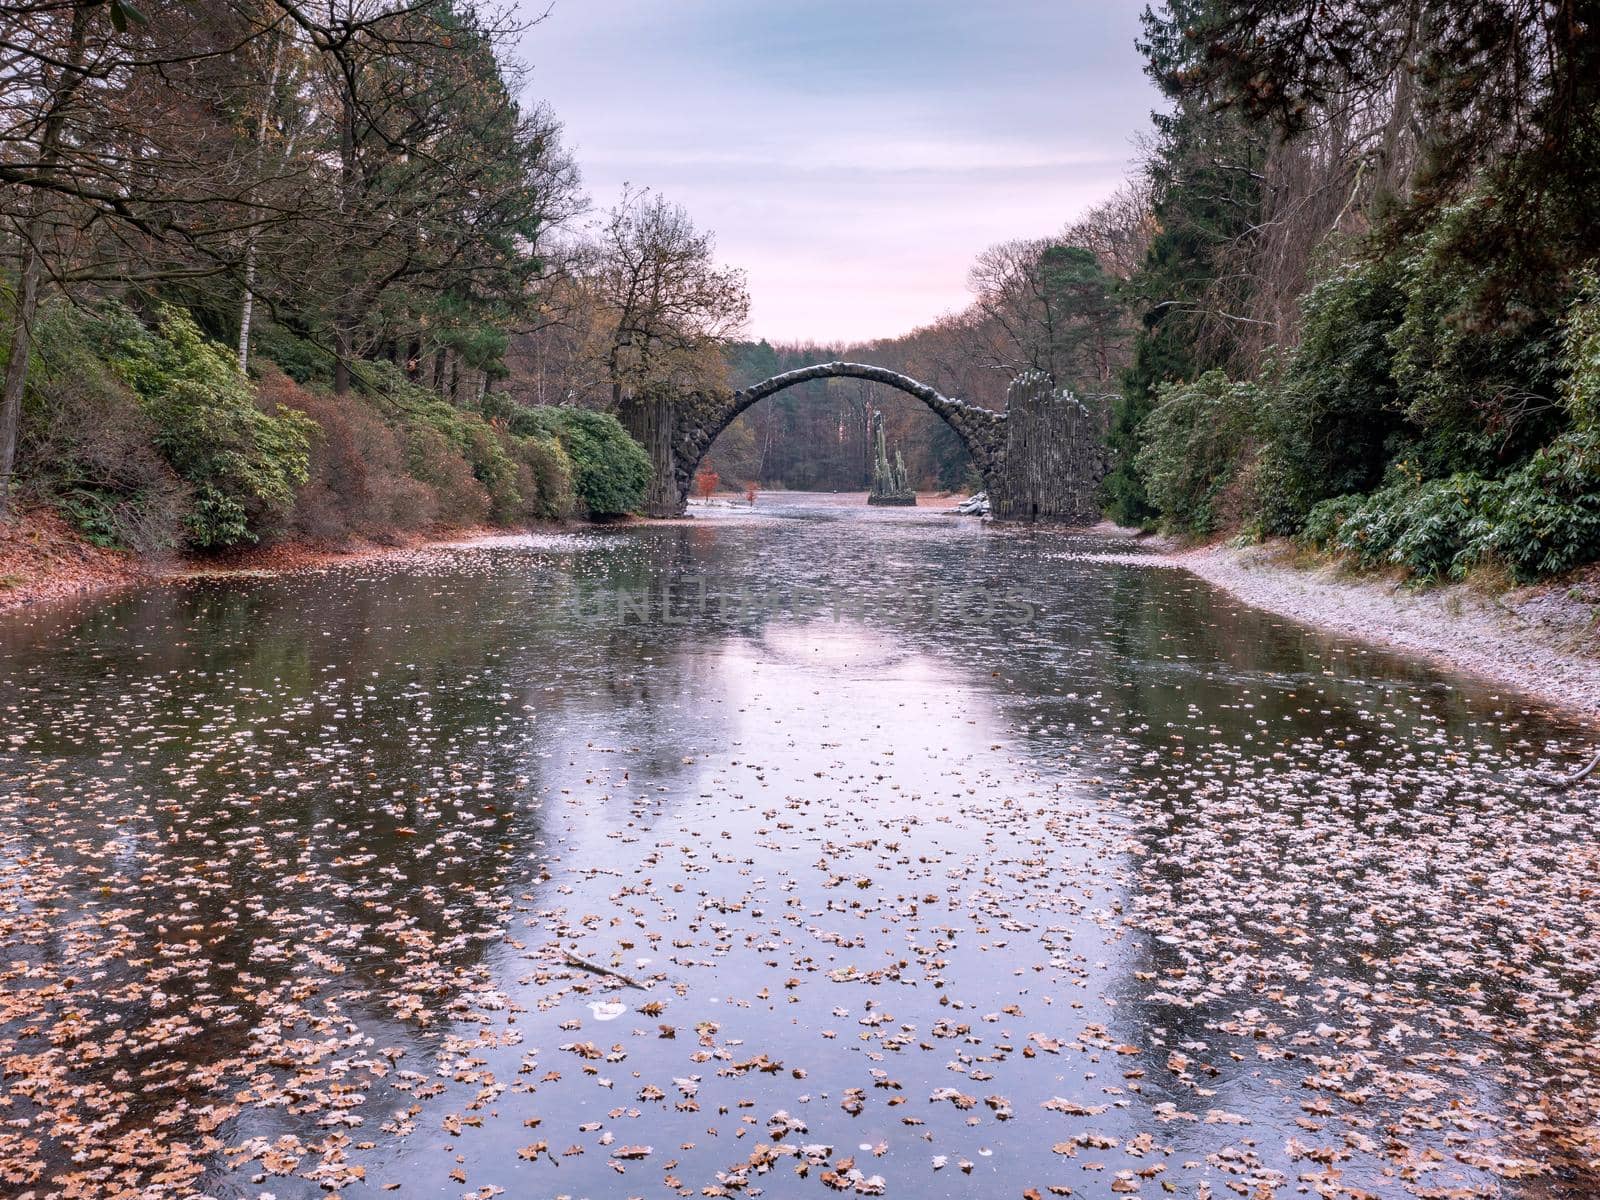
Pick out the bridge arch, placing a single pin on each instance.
(1042, 459)
(679, 431)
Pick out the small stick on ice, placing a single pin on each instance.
(1564, 781)
(575, 960)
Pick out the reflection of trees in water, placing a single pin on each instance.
(1189, 689)
(1235, 738)
(321, 813)
(1169, 628)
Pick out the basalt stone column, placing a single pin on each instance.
(649, 418)
(1051, 462)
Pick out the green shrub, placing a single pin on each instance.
(1325, 524)
(1581, 355)
(1443, 528)
(242, 463)
(610, 471)
(435, 431)
(1541, 520)
(86, 446)
(544, 477)
(1438, 529)
(1333, 416)
(1477, 375)
(300, 359)
(1549, 521)
(1550, 517)
(1195, 443)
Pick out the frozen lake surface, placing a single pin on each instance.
(933, 859)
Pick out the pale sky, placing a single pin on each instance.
(851, 157)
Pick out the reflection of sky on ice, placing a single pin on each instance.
(1154, 884)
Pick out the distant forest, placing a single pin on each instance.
(1060, 305)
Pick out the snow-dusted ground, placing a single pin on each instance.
(1544, 641)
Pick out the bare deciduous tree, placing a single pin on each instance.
(666, 300)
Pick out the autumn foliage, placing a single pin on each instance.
(705, 482)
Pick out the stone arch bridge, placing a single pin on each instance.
(1041, 459)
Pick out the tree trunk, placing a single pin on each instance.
(341, 363)
(344, 316)
(16, 380)
(17, 367)
(1395, 171)
(247, 303)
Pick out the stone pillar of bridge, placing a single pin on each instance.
(1051, 462)
(649, 418)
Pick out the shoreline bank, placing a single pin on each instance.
(43, 560)
(1542, 641)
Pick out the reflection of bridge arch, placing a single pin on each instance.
(1039, 424)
